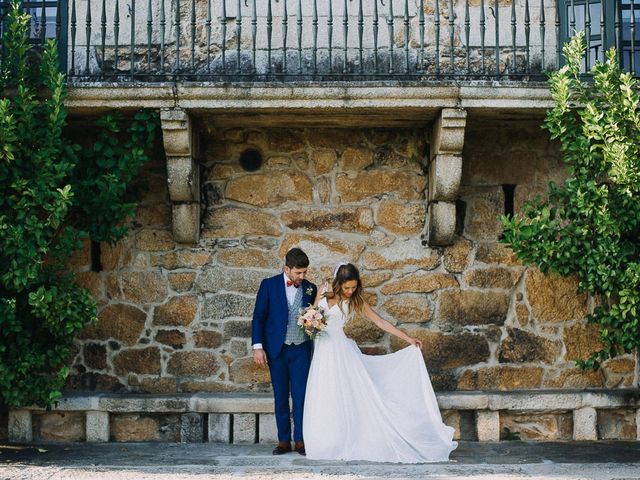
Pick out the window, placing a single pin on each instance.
(606, 24)
(48, 20)
(630, 42)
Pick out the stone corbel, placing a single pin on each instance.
(183, 174)
(445, 174)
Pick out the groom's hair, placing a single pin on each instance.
(296, 258)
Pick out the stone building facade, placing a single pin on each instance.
(405, 176)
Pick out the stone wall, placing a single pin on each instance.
(176, 318)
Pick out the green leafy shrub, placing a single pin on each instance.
(53, 195)
(589, 227)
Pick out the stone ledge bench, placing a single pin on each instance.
(248, 418)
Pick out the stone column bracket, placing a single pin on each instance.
(445, 172)
(183, 173)
(445, 175)
(442, 223)
(448, 132)
(183, 179)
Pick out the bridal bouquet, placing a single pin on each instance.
(312, 320)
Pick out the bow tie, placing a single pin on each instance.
(290, 283)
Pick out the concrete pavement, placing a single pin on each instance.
(479, 461)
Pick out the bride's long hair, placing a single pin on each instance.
(346, 273)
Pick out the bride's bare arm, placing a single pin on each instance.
(320, 292)
(387, 327)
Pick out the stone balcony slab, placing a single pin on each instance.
(368, 103)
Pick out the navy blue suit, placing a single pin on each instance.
(288, 364)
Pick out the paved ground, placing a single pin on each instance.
(478, 461)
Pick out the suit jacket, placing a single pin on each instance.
(271, 313)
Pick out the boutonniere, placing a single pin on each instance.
(309, 291)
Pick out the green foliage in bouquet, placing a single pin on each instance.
(589, 227)
(53, 194)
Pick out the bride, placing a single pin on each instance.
(361, 407)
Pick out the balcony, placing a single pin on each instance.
(326, 40)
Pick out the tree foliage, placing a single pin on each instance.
(589, 227)
(53, 195)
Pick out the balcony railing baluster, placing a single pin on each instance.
(285, 21)
(467, 35)
(632, 28)
(527, 34)
(616, 23)
(421, 25)
(193, 35)
(451, 38)
(513, 37)
(406, 36)
(542, 33)
(58, 18)
(603, 27)
(558, 45)
(375, 36)
(223, 36)
(496, 17)
(587, 29)
(163, 24)
(269, 35)
(103, 31)
(572, 18)
(116, 35)
(330, 35)
(314, 54)
(208, 34)
(132, 52)
(391, 34)
(436, 23)
(345, 36)
(299, 23)
(239, 35)
(149, 32)
(483, 30)
(254, 35)
(177, 25)
(360, 34)
(43, 22)
(87, 23)
(73, 36)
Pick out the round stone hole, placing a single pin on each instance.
(251, 160)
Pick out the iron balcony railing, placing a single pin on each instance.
(258, 40)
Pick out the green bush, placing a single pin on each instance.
(589, 227)
(53, 195)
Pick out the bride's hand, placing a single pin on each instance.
(415, 342)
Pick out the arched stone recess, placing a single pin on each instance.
(183, 173)
(445, 174)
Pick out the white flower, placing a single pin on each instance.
(309, 291)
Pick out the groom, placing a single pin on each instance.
(281, 344)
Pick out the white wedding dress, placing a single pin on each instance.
(363, 407)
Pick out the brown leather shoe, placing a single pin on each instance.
(299, 447)
(282, 448)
